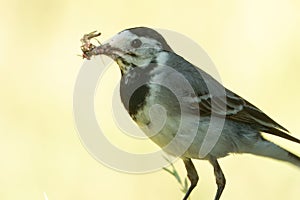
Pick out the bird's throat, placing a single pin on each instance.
(123, 65)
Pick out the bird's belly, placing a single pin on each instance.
(185, 137)
(182, 137)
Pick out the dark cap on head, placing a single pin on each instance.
(150, 33)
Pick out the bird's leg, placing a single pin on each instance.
(220, 178)
(191, 174)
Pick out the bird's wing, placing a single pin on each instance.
(213, 98)
(236, 108)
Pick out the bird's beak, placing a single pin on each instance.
(109, 48)
(106, 49)
(90, 50)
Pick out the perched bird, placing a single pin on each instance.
(149, 69)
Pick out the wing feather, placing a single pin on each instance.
(213, 98)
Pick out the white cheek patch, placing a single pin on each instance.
(149, 42)
(122, 40)
(144, 56)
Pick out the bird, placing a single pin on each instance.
(153, 74)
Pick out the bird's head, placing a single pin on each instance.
(135, 47)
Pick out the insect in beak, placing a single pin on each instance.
(87, 46)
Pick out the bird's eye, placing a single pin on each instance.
(136, 43)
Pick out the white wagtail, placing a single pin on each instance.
(147, 65)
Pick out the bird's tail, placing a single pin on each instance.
(269, 149)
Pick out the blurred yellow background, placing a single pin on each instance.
(254, 44)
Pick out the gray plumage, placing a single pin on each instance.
(152, 74)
